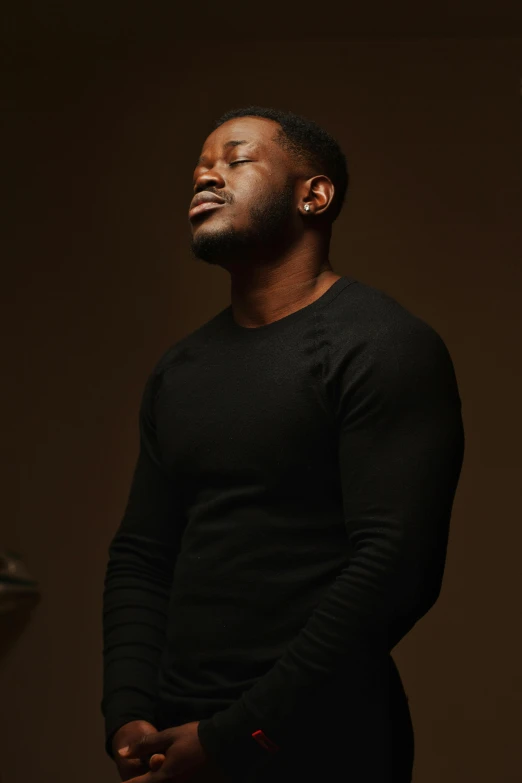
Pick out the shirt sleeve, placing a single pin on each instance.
(137, 583)
(400, 445)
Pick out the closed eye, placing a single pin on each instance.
(234, 162)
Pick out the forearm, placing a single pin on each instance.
(135, 604)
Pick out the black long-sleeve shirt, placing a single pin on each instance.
(288, 516)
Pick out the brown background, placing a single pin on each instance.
(106, 114)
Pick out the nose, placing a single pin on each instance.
(208, 178)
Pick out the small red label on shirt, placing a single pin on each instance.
(261, 738)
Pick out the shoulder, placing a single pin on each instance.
(379, 348)
(187, 348)
(368, 320)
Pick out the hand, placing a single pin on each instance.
(184, 758)
(130, 733)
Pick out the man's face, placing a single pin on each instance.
(256, 180)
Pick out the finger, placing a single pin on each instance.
(156, 761)
(131, 769)
(155, 742)
(154, 777)
(163, 775)
(146, 778)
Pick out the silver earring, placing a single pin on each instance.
(307, 207)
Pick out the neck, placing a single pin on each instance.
(261, 294)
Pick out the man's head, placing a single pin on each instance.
(266, 166)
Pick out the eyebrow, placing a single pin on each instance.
(232, 143)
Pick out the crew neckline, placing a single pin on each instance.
(321, 301)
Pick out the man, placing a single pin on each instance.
(288, 517)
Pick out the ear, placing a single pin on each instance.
(318, 192)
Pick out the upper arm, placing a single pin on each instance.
(153, 520)
(400, 452)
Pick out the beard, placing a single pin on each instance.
(268, 232)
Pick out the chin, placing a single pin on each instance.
(213, 244)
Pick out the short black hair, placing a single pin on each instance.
(307, 142)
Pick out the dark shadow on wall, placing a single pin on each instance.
(13, 624)
(19, 594)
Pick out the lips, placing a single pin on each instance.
(203, 201)
(205, 206)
